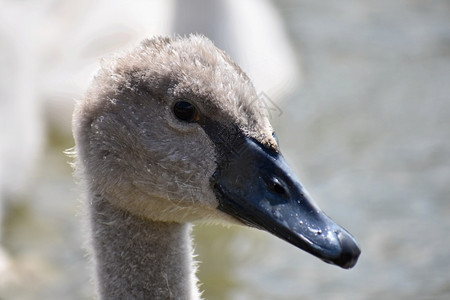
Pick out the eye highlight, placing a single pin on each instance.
(186, 112)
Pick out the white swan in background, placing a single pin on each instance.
(21, 120)
(252, 32)
(172, 133)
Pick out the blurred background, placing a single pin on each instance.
(360, 95)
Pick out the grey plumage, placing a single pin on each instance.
(146, 173)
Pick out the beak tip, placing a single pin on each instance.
(350, 251)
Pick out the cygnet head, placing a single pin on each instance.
(174, 131)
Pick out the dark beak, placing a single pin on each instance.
(255, 185)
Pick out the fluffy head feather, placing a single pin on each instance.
(133, 149)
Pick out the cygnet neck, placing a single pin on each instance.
(137, 258)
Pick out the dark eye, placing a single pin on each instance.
(185, 111)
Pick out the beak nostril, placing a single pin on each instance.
(279, 189)
(275, 186)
